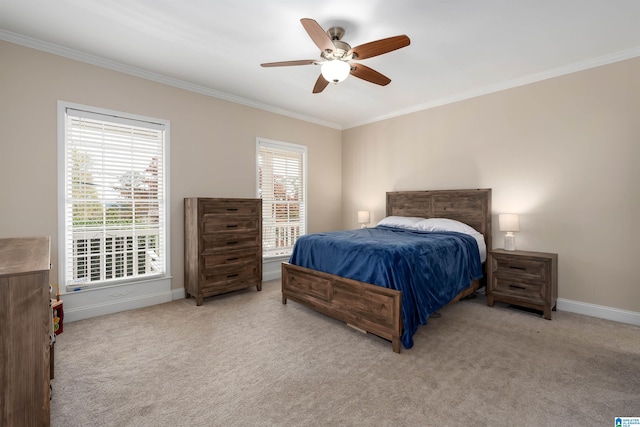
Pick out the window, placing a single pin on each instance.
(113, 192)
(282, 188)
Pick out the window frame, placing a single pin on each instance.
(293, 148)
(66, 283)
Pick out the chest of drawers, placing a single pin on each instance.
(528, 279)
(223, 246)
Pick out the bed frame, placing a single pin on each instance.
(376, 309)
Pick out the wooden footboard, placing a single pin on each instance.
(372, 308)
(369, 307)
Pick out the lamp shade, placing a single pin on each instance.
(363, 217)
(335, 70)
(509, 222)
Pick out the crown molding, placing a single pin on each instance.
(137, 72)
(148, 75)
(533, 78)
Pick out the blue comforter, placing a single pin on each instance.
(430, 268)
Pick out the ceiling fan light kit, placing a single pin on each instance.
(335, 70)
(337, 56)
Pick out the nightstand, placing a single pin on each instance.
(528, 279)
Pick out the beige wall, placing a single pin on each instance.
(563, 153)
(212, 152)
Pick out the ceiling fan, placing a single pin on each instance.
(337, 56)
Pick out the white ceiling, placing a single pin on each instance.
(459, 48)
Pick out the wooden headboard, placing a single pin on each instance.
(473, 207)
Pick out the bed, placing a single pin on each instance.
(372, 307)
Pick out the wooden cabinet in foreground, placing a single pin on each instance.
(222, 247)
(528, 279)
(25, 322)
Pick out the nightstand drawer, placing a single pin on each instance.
(520, 267)
(518, 288)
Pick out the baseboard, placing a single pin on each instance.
(272, 268)
(98, 302)
(599, 311)
(178, 294)
(271, 276)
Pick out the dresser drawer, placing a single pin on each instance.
(221, 281)
(228, 241)
(520, 267)
(506, 285)
(230, 207)
(212, 224)
(228, 261)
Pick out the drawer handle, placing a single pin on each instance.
(232, 226)
(232, 209)
(515, 267)
(235, 242)
(231, 276)
(232, 259)
(517, 287)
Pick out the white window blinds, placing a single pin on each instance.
(114, 199)
(281, 185)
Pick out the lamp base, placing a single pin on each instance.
(509, 242)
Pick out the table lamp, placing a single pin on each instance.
(509, 223)
(363, 218)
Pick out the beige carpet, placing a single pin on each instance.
(245, 359)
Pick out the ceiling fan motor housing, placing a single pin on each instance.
(340, 52)
(341, 48)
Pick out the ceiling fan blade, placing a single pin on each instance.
(378, 47)
(289, 63)
(365, 73)
(318, 35)
(321, 83)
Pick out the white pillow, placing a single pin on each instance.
(408, 222)
(445, 224)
